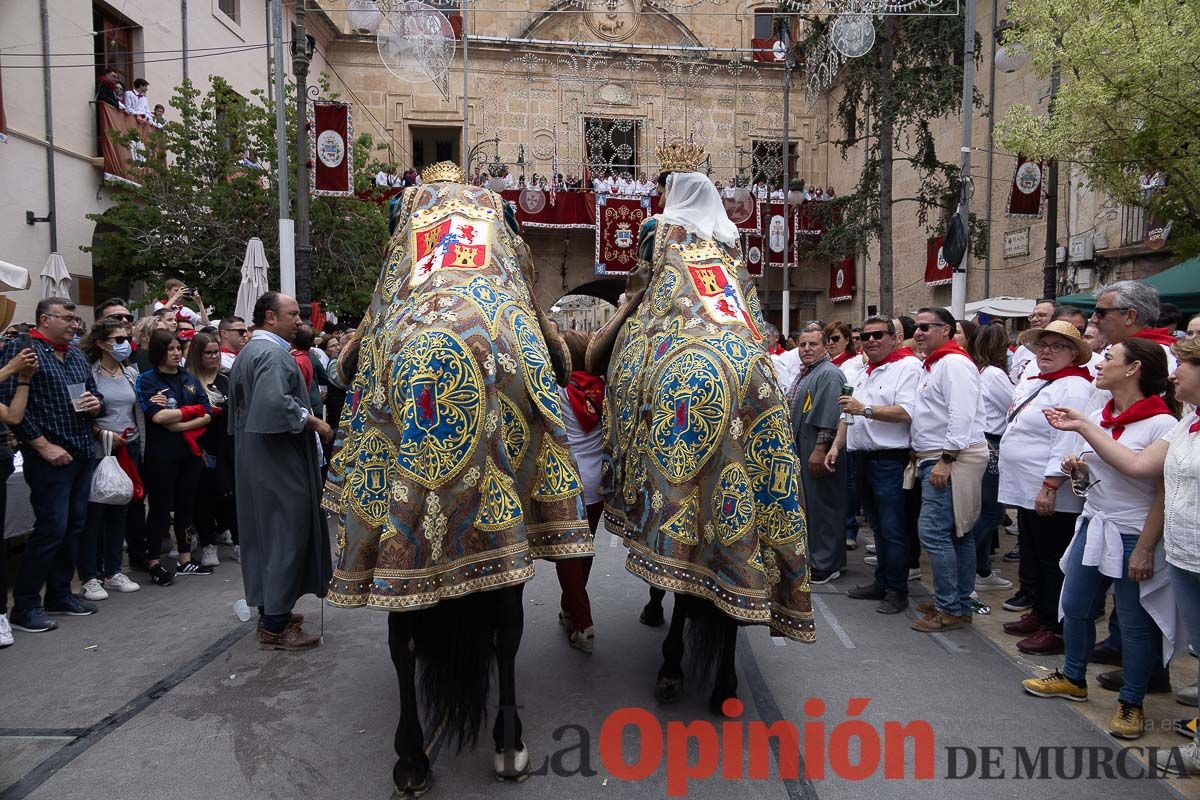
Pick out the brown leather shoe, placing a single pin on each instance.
(1043, 643)
(938, 622)
(1026, 626)
(925, 609)
(297, 619)
(292, 638)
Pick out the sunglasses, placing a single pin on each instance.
(835, 338)
(1103, 312)
(924, 327)
(118, 339)
(875, 335)
(122, 317)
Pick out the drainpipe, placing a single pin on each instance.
(49, 127)
(183, 13)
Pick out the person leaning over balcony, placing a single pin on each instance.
(1174, 516)
(1031, 453)
(56, 450)
(135, 99)
(1107, 549)
(951, 456)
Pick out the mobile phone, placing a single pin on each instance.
(24, 340)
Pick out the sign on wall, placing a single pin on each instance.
(1016, 243)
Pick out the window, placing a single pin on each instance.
(230, 9)
(763, 23)
(611, 145)
(113, 44)
(767, 161)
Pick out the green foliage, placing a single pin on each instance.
(197, 206)
(926, 75)
(1129, 104)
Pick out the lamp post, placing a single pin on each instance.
(287, 230)
(958, 287)
(789, 62)
(301, 57)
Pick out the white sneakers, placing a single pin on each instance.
(914, 574)
(93, 590)
(1179, 760)
(120, 583)
(208, 556)
(225, 538)
(6, 637)
(237, 553)
(993, 581)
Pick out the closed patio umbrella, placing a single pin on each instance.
(56, 281)
(254, 279)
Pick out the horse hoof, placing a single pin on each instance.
(512, 765)
(652, 615)
(413, 784)
(669, 689)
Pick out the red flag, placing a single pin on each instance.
(841, 280)
(331, 154)
(937, 270)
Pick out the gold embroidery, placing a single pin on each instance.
(499, 504)
(733, 504)
(557, 477)
(434, 524)
(682, 524)
(367, 480)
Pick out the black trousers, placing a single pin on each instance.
(214, 509)
(171, 485)
(1049, 538)
(6, 469)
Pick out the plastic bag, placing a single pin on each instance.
(110, 485)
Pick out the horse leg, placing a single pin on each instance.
(412, 774)
(669, 688)
(725, 686)
(511, 759)
(652, 613)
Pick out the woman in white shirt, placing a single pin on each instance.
(989, 350)
(582, 402)
(1031, 453)
(1109, 534)
(1175, 515)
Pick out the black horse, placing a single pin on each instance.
(711, 638)
(456, 644)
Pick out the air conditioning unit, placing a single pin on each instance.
(1082, 247)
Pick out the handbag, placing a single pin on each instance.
(110, 485)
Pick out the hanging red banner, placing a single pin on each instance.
(618, 222)
(937, 270)
(124, 154)
(1025, 196)
(754, 254)
(775, 234)
(841, 280)
(331, 153)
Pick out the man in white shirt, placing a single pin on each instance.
(881, 410)
(135, 99)
(624, 185)
(233, 335)
(602, 185)
(176, 291)
(951, 453)
(1042, 313)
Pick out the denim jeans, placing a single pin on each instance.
(853, 500)
(882, 495)
(990, 512)
(1141, 641)
(59, 496)
(1186, 585)
(951, 557)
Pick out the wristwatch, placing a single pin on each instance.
(949, 459)
(869, 412)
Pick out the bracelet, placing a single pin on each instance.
(23, 383)
(1049, 486)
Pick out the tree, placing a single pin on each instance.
(887, 101)
(1128, 105)
(197, 203)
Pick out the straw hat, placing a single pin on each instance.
(1083, 351)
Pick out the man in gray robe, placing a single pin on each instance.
(815, 415)
(284, 538)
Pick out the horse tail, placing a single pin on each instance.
(706, 627)
(456, 651)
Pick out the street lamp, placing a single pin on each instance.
(783, 41)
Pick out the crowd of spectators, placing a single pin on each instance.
(154, 394)
(1083, 427)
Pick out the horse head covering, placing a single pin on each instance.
(694, 204)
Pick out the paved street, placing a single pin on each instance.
(163, 694)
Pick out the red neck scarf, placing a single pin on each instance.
(843, 358)
(36, 334)
(1162, 336)
(776, 350)
(1065, 372)
(950, 348)
(1143, 409)
(1195, 426)
(585, 391)
(227, 350)
(896, 355)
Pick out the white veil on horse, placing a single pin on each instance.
(694, 204)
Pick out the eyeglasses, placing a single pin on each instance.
(835, 338)
(1099, 311)
(1053, 347)
(238, 331)
(212, 353)
(875, 335)
(122, 317)
(118, 339)
(924, 327)
(70, 318)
